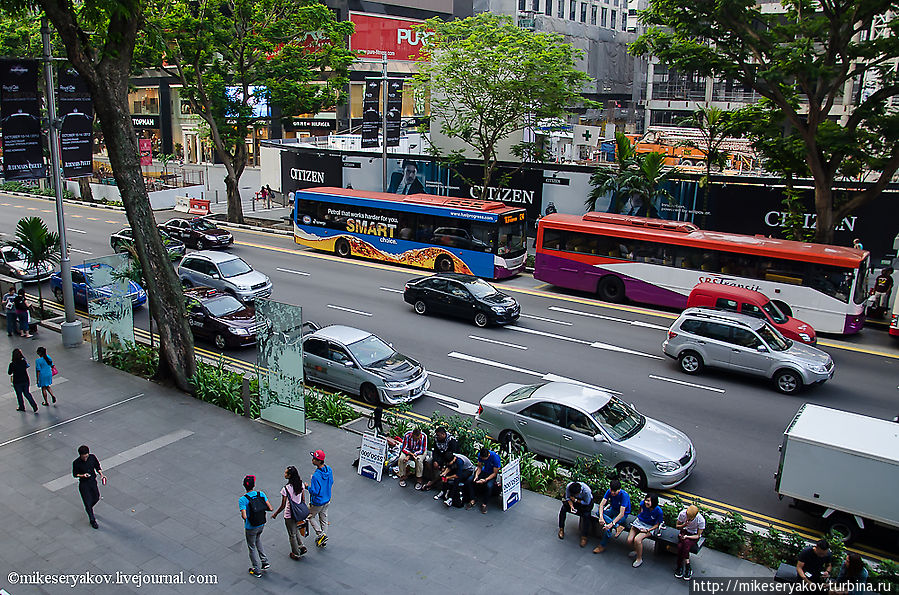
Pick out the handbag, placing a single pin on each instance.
(54, 370)
(299, 512)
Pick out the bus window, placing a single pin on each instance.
(511, 238)
(861, 285)
(832, 281)
(485, 236)
(709, 262)
(425, 228)
(552, 239)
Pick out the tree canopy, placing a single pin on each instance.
(801, 58)
(489, 79)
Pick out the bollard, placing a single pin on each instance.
(245, 395)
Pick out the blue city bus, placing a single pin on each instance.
(441, 233)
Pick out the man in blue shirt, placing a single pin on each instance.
(320, 497)
(578, 500)
(484, 480)
(252, 526)
(614, 502)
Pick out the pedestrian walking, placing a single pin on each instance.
(319, 497)
(18, 369)
(293, 503)
(21, 304)
(9, 308)
(44, 369)
(86, 468)
(253, 506)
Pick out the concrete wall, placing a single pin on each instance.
(159, 200)
(270, 167)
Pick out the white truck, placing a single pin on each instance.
(843, 467)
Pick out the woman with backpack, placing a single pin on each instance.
(293, 503)
(43, 367)
(18, 369)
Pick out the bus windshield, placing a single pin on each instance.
(511, 239)
(861, 284)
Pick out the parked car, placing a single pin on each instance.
(199, 233)
(702, 337)
(120, 240)
(14, 264)
(463, 296)
(220, 318)
(225, 272)
(84, 291)
(752, 303)
(359, 362)
(564, 421)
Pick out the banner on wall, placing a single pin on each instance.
(76, 112)
(394, 112)
(23, 154)
(376, 35)
(145, 148)
(309, 170)
(371, 115)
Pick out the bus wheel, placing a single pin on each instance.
(611, 289)
(444, 264)
(342, 248)
(783, 307)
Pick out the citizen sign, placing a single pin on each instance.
(513, 195)
(779, 218)
(305, 175)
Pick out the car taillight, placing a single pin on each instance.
(480, 409)
(671, 335)
(406, 287)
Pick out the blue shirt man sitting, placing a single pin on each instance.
(483, 481)
(613, 510)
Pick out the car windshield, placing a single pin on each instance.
(202, 225)
(480, 288)
(521, 393)
(370, 350)
(13, 255)
(775, 313)
(223, 306)
(773, 338)
(234, 267)
(619, 419)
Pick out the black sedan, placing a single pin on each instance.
(120, 240)
(198, 233)
(463, 296)
(220, 318)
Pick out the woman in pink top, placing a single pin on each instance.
(295, 491)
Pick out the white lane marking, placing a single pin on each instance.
(675, 381)
(293, 272)
(611, 318)
(460, 406)
(530, 331)
(532, 317)
(123, 457)
(609, 347)
(359, 312)
(75, 230)
(554, 378)
(391, 289)
(79, 251)
(430, 373)
(495, 342)
(68, 421)
(487, 362)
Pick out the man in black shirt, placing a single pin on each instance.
(813, 563)
(86, 468)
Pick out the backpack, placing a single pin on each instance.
(256, 508)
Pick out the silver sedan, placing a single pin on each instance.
(564, 421)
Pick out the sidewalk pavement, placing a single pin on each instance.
(175, 467)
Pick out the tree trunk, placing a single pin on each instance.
(235, 166)
(824, 221)
(235, 207)
(176, 357)
(84, 185)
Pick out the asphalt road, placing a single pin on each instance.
(736, 423)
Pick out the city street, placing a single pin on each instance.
(736, 423)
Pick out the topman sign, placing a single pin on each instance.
(306, 175)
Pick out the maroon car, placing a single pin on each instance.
(220, 318)
(198, 233)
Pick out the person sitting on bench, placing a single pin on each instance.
(445, 444)
(814, 563)
(648, 520)
(484, 481)
(691, 524)
(617, 502)
(454, 480)
(578, 500)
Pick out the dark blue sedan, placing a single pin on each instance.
(84, 291)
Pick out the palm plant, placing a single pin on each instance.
(611, 180)
(38, 244)
(646, 179)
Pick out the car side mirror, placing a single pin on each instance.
(349, 364)
(762, 349)
(599, 438)
(214, 275)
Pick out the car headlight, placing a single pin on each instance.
(667, 466)
(391, 384)
(805, 337)
(816, 368)
(498, 309)
(239, 331)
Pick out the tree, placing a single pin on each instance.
(714, 127)
(230, 55)
(800, 60)
(38, 245)
(646, 180)
(610, 180)
(99, 38)
(488, 79)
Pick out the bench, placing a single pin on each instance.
(786, 573)
(666, 536)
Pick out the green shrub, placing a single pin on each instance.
(726, 534)
(36, 190)
(532, 474)
(470, 438)
(222, 387)
(885, 577)
(396, 419)
(134, 358)
(327, 407)
(776, 547)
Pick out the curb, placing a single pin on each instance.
(67, 201)
(281, 232)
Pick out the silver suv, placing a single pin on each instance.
(225, 272)
(701, 337)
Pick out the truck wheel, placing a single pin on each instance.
(611, 289)
(844, 527)
(788, 382)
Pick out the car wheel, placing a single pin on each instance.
(369, 394)
(690, 362)
(843, 527)
(611, 289)
(480, 320)
(342, 248)
(220, 341)
(57, 293)
(421, 307)
(788, 382)
(200, 245)
(513, 441)
(444, 264)
(630, 473)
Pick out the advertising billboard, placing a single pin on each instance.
(23, 152)
(376, 35)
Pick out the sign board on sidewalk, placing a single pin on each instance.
(511, 484)
(372, 455)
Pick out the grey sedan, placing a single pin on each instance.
(564, 421)
(359, 362)
(14, 263)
